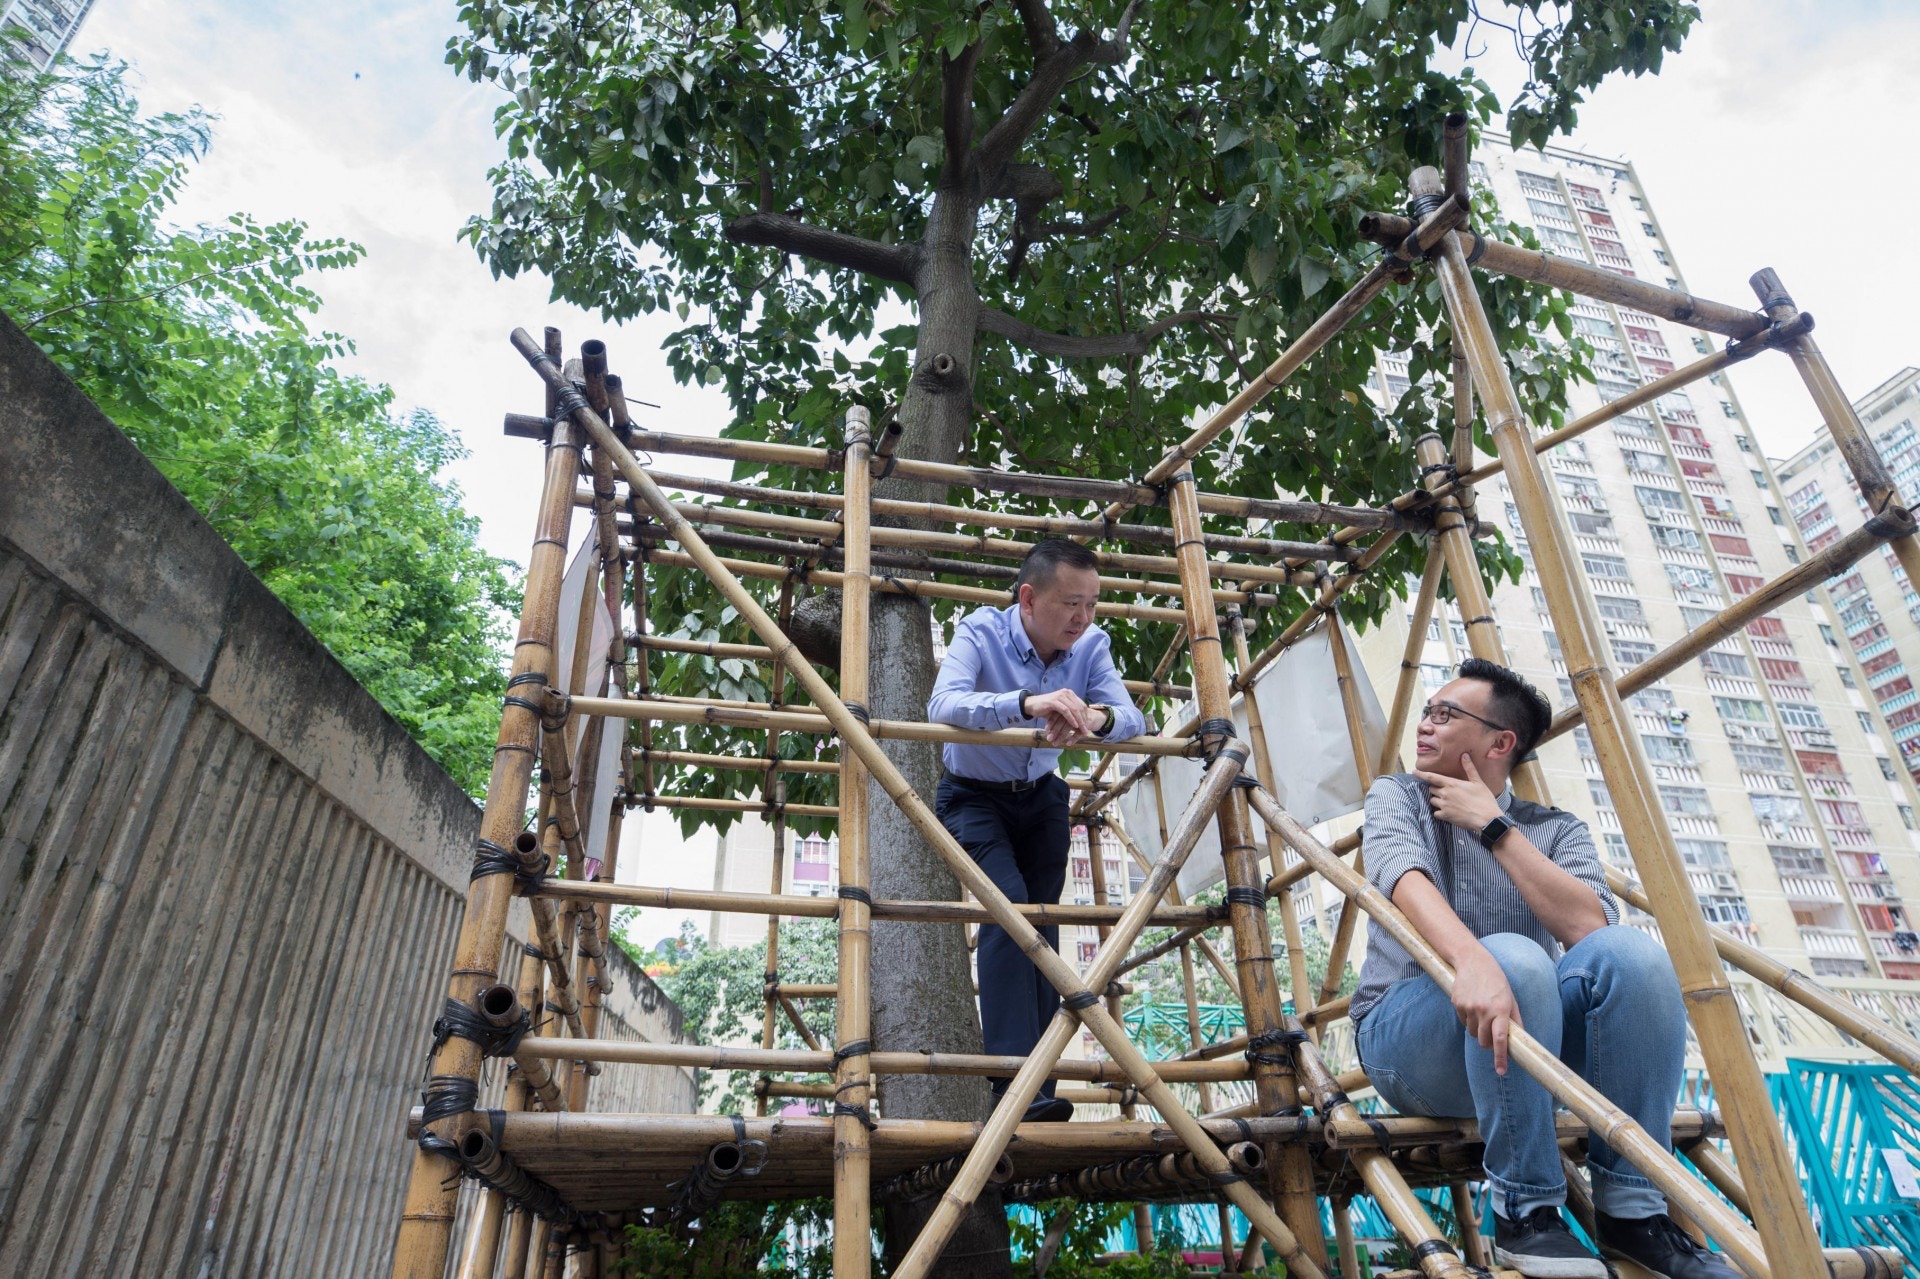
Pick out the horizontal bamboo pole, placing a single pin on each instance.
(738, 763)
(717, 805)
(1000, 548)
(796, 1061)
(829, 907)
(917, 587)
(993, 480)
(1799, 579)
(715, 533)
(896, 730)
(761, 653)
(1047, 525)
(1648, 1156)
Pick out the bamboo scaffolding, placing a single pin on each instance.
(852, 1074)
(775, 792)
(1206, 948)
(854, 735)
(1357, 741)
(809, 907)
(999, 548)
(1409, 678)
(651, 536)
(426, 1224)
(817, 722)
(1097, 872)
(1046, 525)
(1289, 1172)
(1760, 1148)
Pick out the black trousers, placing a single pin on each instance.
(1020, 841)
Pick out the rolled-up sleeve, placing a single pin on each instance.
(1105, 687)
(1396, 833)
(956, 698)
(1573, 851)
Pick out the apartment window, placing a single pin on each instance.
(1754, 758)
(1759, 478)
(1668, 750)
(1785, 809)
(1672, 283)
(1744, 444)
(1801, 715)
(1725, 664)
(1793, 556)
(1606, 566)
(1661, 257)
(1704, 854)
(1906, 812)
(1741, 708)
(1648, 228)
(1886, 767)
(1602, 798)
(1826, 633)
(1773, 513)
(1687, 801)
(1619, 608)
(1866, 721)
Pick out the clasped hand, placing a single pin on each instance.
(1068, 718)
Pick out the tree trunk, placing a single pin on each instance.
(923, 994)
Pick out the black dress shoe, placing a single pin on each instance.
(1540, 1246)
(1660, 1246)
(1048, 1110)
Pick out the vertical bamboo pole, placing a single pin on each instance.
(1097, 870)
(1786, 1232)
(1473, 1244)
(1290, 1168)
(1262, 766)
(1454, 537)
(775, 790)
(1357, 741)
(852, 1077)
(1343, 1239)
(513, 1263)
(536, 1263)
(1410, 662)
(426, 1225)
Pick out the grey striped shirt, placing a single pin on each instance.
(1402, 835)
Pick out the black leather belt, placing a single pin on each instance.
(1003, 788)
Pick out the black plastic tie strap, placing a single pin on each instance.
(860, 895)
(892, 460)
(865, 1116)
(1224, 1177)
(858, 1048)
(532, 951)
(1258, 1044)
(527, 677)
(1255, 897)
(1081, 1000)
(1212, 735)
(526, 703)
(463, 1021)
(444, 1097)
(1246, 781)
(1422, 1251)
(568, 401)
(859, 711)
(1885, 529)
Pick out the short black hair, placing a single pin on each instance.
(1515, 704)
(1047, 557)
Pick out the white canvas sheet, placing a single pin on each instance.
(1314, 777)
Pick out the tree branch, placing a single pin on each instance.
(1049, 78)
(956, 113)
(833, 248)
(1043, 36)
(1083, 227)
(1070, 347)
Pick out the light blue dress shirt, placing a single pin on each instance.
(990, 663)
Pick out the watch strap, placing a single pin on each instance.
(1494, 831)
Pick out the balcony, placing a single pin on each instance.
(1683, 825)
(1692, 559)
(1770, 783)
(1731, 686)
(1832, 943)
(1692, 452)
(1598, 545)
(1684, 773)
(1771, 648)
(1720, 524)
(1803, 889)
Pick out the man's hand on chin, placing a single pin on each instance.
(1461, 801)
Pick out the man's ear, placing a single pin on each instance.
(1024, 595)
(1504, 744)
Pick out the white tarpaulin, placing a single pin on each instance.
(606, 769)
(1313, 773)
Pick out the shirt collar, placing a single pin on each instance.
(1017, 638)
(1506, 797)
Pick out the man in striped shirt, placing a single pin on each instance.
(1512, 896)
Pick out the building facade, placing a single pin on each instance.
(1781, 781)
(41, 30)
(1874, 606)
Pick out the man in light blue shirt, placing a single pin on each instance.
(1039, 663)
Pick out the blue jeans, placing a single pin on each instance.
(1611, 1009)
(1020, 840)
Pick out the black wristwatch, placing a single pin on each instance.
(1494, 831)
(1024, 695)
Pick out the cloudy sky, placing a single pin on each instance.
(1769, 141)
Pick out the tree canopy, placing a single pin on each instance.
(195, 340)
(1109, 216)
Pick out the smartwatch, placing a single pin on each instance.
(1024, 695)
(1494, 831)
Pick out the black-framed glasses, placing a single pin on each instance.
(1441, 712)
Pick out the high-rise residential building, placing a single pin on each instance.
(1779, 777)
(41, 30)
(1873, 605)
